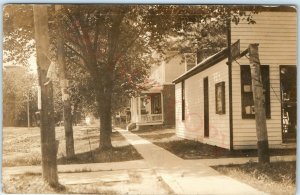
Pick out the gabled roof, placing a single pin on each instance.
(208, 62)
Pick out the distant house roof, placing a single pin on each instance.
(208, 62)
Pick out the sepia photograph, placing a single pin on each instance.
(149, 99)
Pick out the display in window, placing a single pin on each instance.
(220, 98)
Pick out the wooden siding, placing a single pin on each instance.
(193, 126)
(276, 33)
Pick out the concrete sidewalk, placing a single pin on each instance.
(185, 176)
(73, 168)
(243, 160)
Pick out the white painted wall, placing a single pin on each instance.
(193, 125)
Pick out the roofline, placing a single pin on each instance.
(218, 57)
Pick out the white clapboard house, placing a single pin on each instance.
(203, 97)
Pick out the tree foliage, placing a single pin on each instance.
(109, 47)
(17, 34)
(18, 84)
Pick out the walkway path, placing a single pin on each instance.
(184, 176)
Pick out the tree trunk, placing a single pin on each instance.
(104, 102)
(65, 94)
(259, 104)
(48, 144)
(70, 152)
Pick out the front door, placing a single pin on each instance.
(206, 107)
(288, 90)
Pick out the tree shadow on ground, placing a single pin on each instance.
(189, 149)
(115, 154)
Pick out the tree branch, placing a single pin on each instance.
(75, 28)
(76, 52)
(97, 32)
(85, 36)
(75, 62)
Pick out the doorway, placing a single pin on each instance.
(206, 107)
(288, 92)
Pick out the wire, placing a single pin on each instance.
(275, 94)
(237, 62)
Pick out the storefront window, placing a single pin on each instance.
(248, 110)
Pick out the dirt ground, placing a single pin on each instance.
(139, 181)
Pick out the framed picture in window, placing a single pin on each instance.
(220, 97)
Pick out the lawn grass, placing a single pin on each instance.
(30, 183)
(189, 149)
(21, 147)
(274, 178)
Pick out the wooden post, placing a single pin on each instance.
(47, 124)
(259, 104)
(65, 95)
(28, 110)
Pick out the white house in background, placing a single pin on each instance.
(203, 93)
(157, 105)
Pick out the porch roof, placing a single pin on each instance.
(154, 89)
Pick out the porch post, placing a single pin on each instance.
(139, 109)
(162, 106)
(132, 109)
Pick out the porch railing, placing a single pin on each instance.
(148, 118)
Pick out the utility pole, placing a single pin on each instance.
(47, 125)
(64, 90)
(229, 63)
(259, 104)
